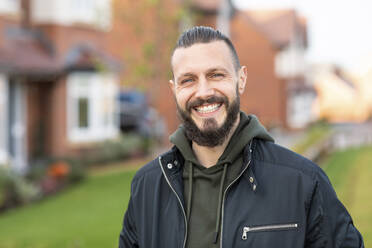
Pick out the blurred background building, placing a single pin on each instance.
(58, 83)
(71, 69)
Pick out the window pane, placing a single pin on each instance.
(83, 112)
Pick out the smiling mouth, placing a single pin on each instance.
(207, 108)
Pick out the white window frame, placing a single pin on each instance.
(3, 119)
(94, 13)
(101, 90)
(10, 7)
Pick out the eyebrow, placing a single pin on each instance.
(217, 69)
(190, 74)
(187, 74)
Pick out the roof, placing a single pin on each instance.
(279, 26)
(29, 52)
(24, 52)
(84, 56)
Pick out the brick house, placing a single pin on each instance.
(143, 35)
(272, 44)
(58, 83)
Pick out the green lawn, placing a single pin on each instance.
(314, 136)
(350, 172)
(88, 215)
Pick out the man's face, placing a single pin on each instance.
(206, 87)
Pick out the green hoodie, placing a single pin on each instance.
(207, 184)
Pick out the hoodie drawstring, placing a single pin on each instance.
(190, 191)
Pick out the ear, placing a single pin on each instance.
(172, 86)
(242, 79)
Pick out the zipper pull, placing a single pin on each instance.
(245, 230)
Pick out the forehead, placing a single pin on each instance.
(201, 57)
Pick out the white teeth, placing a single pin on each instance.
(207, 108)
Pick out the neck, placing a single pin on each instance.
(208, 156)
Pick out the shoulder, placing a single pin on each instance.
(153, 168)
(279, 157)
(148, 169)
(277, 165)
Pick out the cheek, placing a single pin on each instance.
(183, 96)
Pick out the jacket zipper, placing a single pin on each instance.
(224, 196)
(179, 200)
(266, 228)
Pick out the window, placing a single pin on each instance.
(3, 119)
(91, 106)
(83, 112)
(96, 12)
(82, 7)
(11, 7)
(93, 13)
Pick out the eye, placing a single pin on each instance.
(186, 80)
(217, 75)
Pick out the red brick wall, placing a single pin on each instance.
(135, 27)
(65, 37)
(263, 95)
(208, 20)
(58, 119)
(6, 21)
(2, 24)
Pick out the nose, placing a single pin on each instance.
(204, 89)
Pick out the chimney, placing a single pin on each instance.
(26, 13)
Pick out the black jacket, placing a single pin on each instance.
(279, 199)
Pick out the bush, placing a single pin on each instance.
(53, 174)
(15, 190)
(61, 168)
(115, 150)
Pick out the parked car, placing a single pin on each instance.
(137, 116)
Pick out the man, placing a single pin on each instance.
(225, 183)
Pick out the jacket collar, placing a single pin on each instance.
(172, 163)
(248, 158)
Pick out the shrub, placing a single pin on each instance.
(53, 174)
(15, 190)
(114, 150)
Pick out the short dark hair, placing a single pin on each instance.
(202, 34)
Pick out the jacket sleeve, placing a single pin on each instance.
(128, 236)
(329, 224)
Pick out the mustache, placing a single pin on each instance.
(210, 100)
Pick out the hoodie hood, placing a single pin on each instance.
(249, 127)
(207, 184)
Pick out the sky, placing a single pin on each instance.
(340, 31)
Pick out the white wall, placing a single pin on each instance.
(3, 119)
(299, 109)
(290, 62)
(10, 7)
(69, 12)
(101, 90)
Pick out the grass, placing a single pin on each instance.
(316, 134)
(88, 215)
(350, 172)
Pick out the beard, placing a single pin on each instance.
(210, 135)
